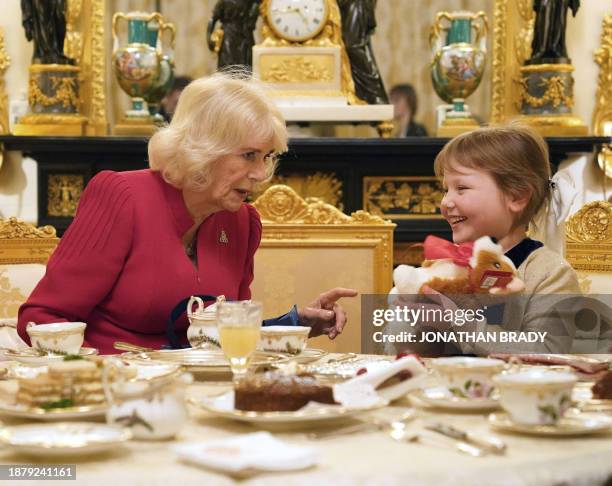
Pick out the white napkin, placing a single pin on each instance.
(377, 373)
(248, 453)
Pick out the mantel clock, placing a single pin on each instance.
(302, 54)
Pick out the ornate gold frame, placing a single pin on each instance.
(290, 221)
(512, 32)
(5, 62)
(602, 115)
(22, 242)
(588, 238)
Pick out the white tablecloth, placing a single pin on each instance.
(369, 458)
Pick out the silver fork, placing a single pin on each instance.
(399, 433)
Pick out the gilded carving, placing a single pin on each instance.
(296, 69)
(73, 42)
(524, 36)
(403, 197)
(281, 204)
(11, 297)
(592, 223)
(323, 185)
(589, 237)
(498, 80)
(602, 115)
(5, 62)
(65, 91)
(13, 228)
(555, 93)
(64, 192)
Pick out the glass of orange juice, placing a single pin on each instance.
(239, 323)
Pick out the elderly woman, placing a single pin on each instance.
(142, 241)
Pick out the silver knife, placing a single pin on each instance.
(490, 444)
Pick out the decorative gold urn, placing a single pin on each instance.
(458, 44)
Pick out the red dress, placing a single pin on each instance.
(121, 266)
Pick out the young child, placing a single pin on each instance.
(496, 181)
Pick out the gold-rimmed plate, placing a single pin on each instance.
(570, 425)
(205, 360)
(440, 397)
(584, 400)
(309, 355)
(223, 406)
(66, 413)
(61, 439)
(35, 357)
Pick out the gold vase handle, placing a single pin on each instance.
(480, 29)
(116, 18)
(435, 41)
(169, 26)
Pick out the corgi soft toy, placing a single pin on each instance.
(478, 267)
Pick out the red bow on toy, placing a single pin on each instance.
(438, 249)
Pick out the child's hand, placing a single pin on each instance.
(515, 286)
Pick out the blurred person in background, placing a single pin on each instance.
(404, 99)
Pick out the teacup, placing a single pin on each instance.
(58, 337)
(284, 339)
(468, 377)
(535, 397)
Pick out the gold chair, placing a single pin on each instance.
(309, 246)
(588, 249)
(24, 251)
(588, 246)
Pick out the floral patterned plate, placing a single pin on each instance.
(440, 397)
(570, 424)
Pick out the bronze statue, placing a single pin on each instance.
(238, 18)
(358, 24)
(44, 22)
(548, 44)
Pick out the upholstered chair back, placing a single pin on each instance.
(309, 247)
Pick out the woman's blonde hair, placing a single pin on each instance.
(215, 116)
(514, 155)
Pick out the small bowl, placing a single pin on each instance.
(284, 339)
(535, 397)
(468, 377)
(58, 337)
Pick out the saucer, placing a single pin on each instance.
(67, 413)
(33, 356)
(70, 438)
(570, 424)
(308, 355)
(223, 406)
(440, 397)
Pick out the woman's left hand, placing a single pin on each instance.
(325, 315)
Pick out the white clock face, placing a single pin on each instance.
(297, 20)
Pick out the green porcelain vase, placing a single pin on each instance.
(137, 64)
(458, 43)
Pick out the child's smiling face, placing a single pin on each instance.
(475, 206)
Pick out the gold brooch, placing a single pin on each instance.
(223, 237)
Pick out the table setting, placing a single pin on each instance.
(263, 408)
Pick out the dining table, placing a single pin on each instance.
(366, 457)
